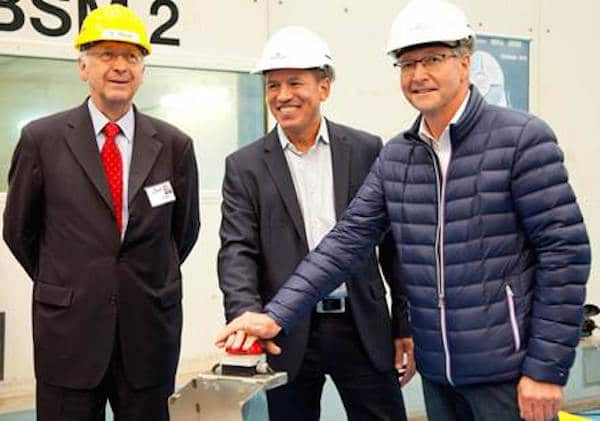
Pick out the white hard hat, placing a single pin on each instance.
(427, 21)
(294, 47)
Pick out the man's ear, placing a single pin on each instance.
(324, 88)
(465, 63)
(83, 70)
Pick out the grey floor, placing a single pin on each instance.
(331, 406)
(18, 416)
(30, 416)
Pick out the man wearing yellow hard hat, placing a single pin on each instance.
(102, 209)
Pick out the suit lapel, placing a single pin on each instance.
(340, 157)
(146, 149)
(81, 140)
(279, 170)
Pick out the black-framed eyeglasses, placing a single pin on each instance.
(430, 63)
(108, 56)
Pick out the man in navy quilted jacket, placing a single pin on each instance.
(494, 252)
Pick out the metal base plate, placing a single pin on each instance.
(210, 397)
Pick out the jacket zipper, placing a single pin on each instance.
(439, 248)
(510, 298)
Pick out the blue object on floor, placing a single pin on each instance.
(593, 415)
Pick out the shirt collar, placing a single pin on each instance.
(99, 120)
(322, 135)
(424, 131)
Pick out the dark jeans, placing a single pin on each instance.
(478, 402)
(334, 348)
(54, 403)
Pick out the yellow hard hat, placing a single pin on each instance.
(113, 22)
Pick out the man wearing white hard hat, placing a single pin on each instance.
(494, 251)
(102, 209)
(281, 195)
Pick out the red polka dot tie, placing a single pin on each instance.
(113, 168)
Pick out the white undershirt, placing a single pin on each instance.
(443, 147)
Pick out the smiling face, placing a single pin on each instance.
(436, 92)
(114, 72)
(294, 97)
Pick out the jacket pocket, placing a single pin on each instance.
(170, 295)
(510, 299)
(53, 295)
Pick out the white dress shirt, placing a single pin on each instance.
(312, 175)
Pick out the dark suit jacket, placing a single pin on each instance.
(88, 285)
(263, 239)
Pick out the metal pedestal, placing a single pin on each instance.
(213, 397)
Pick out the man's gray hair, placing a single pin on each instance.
(465, 46)
(462, 46)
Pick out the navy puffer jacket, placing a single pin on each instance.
(495, 271)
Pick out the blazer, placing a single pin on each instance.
(263, 240)
(89, 287)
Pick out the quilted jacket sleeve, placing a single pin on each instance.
(548, 212)
(337, 256)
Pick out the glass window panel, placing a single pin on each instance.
(220, 110)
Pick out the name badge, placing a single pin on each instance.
(160, 193)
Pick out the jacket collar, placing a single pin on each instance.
(80, 138)
(146, 149)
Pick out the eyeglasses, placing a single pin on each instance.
(109, 56)
(430, 63)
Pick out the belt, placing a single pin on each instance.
(332, 305)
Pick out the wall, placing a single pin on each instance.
(229, 34)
